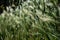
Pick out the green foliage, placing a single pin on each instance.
(35, 20)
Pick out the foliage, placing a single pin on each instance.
(35, 20)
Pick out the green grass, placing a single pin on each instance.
(35, 20)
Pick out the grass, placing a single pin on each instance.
(35, 20)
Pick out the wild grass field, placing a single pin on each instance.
(35, 20)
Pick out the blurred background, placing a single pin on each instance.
(29, 19)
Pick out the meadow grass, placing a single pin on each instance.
(35, 20)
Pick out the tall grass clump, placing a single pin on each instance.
(35, 20)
